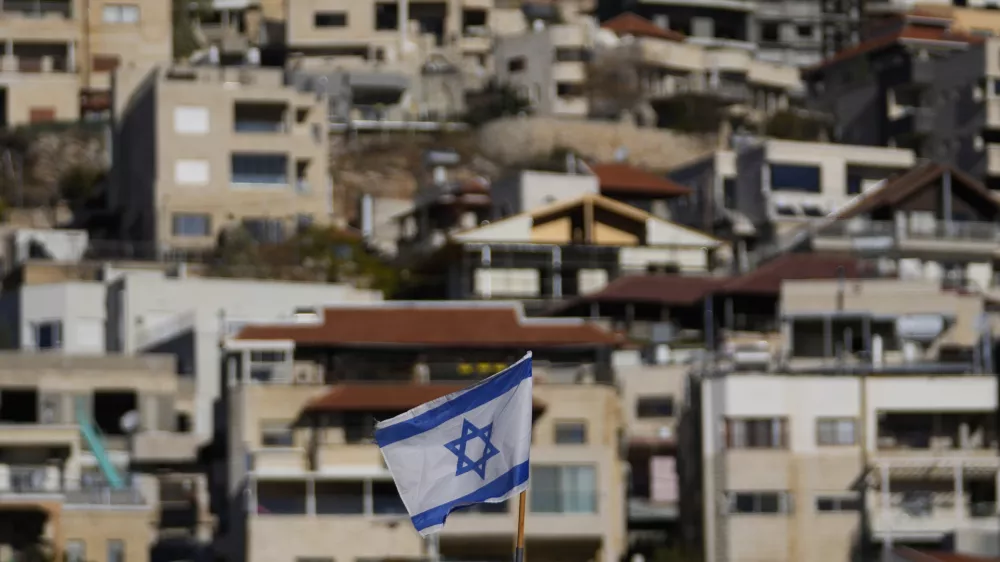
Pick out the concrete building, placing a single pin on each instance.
(547, 66)
(303, 414)
(889, 374)
(666, 64)
(930, 99)
(202, 149)
(68, 458)
(764, 190)
(58, 56)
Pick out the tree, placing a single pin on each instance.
(185, 41)
(496, 101)
(692, 113)
(80, 183)
(790, 124)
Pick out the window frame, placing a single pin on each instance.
(652, 412)
(339, 19)
(782, 502)
(837, 503)
(281, 428)
(177, 219)
(747, 431)
(790, 177)
(570, 424)
(120, 9)
(56, 336)
(833, 431)
(569, 491)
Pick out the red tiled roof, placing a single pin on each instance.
(430, 325)
(638, 26)
(360, 397)
(766, 279)
(626, 179)
(907, 33)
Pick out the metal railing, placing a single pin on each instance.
(938, 230)
(27, 8)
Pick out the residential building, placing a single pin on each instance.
(915, 84)
(71, 429)
(791, 32)
(304, 399)
(124, 309)
(888, 374)
(763, 190)
(547, 66)
(667, 65)
(558, 251)
(58, 56)
(202, 149)
(933, 222)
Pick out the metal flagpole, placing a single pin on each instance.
(519, 548)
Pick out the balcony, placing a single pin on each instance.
(260, 118)
(44, 482)
(36, 9)
(929, 515)
(968, 238)
(36, 65)
(913, 121)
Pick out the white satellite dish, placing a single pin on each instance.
(129, 422)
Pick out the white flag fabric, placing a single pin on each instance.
(468, 447)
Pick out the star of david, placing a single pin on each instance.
(466, 464)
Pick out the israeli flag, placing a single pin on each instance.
(465, 448)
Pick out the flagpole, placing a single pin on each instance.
(519, 549)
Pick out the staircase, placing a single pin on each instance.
(92, 435)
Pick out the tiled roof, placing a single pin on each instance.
(375, 397)
(626, 179)
(433, 324)
(907, 33)
(897, 189)
(638, 26)
(766, 279)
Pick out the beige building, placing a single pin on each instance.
(66, 472)
(57, 57)
(202, 149)
(316, 481)
(786, 426)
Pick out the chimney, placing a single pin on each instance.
(367, 215)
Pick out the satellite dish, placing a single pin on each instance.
(129, 422)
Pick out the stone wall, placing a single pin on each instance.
(517, 140)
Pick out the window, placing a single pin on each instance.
(854, 184)
(386, 17)
(276, 434)
(192, 225)
(566, 54)
(756, 433)
(571, 433)
(191, 120)
(565, 89)
(770, 32)
(260, 169)
(769, 503)
(76, 551)
(655, 407)
(804, 30)
(116, 550)
(517, 64)
(120, 13)
(838, 503)
(563, 489)
(729, 193)
(191, 172)
(330, 19)
(48, 335)
(265, 231)
(386, 500)
(835, 431)
(788, 177)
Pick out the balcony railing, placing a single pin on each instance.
(35, 65)
(259, 179)
(30, 9)
(939, 230)
(259, 126)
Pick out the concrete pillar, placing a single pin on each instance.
(959, 475)
(827, 337)
(886, 511)
(369, 503)
(311, 496)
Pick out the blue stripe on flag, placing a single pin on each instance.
(499, 487)
(473, 397)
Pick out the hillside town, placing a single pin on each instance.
(752, 246)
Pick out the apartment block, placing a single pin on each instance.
(668, 64)
(67, 475)
(200, 149)
(57, 56)
(770, 188)
(875, 406)
(547, 65)
(915, 84)
(304, 414)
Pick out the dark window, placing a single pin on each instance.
(565, 89)
(729, 193)
(770, 32)
(48, 335)
(386, 500)
(330, 19)
(517, 64)
(756, 433)
(340, 498)
(571, 433)
(259, 169)
(386, 17)
(572, 55)
(655, 407)
(276, 434)
(191, 225)
(833, 504)
(996, 87)
(759, 502)
(788, 177)
(835, 431)
(804, 30)
(854, 183)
